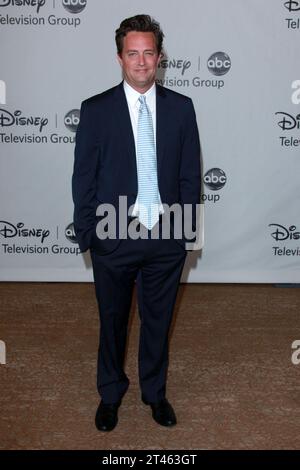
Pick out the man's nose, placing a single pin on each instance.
(141, 59)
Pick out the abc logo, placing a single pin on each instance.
(70, 233)
(219, 63)
(74, 6)
(215, 179)
(71, 119)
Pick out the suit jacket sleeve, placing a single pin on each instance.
(84, 180)
(190, 173)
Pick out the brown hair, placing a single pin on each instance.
(142, 23)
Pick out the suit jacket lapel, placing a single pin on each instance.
(122, 116)
(161, 119)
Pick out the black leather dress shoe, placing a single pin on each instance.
(162, 412)
(107, 416)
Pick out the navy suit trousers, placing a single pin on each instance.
(156, 266)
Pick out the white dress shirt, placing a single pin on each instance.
(132, 97)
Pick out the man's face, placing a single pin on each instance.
(139, 60)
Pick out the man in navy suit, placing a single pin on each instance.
(138, 141)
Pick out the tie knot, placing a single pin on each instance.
(142, 99)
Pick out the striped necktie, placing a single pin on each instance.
(148, 194)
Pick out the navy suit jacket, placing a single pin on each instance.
(105, 158)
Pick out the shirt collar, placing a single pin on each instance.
(133, 96)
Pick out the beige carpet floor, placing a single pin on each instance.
(231, 379)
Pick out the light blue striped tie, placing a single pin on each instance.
(148, 199)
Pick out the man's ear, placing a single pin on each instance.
(160, 57)
(120, 59)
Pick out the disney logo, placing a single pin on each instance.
(282, 233)
(32, 3)
(8, 230)
(9, 119)
(292, 5)
(175, 64)
(288, 121)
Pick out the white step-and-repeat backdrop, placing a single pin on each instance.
(238, 61)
